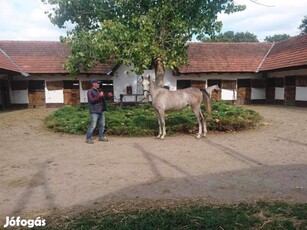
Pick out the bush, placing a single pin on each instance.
(142, 121)
(69, 119)
(226, 117)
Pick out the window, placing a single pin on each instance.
(271, 82)
(214, 82)
(106, 85)
(244, 83)
(36, 85)
(301, 81)
(279, 82)
(71, 84)
(258, 83)
(182, 84)
(290, 81)
(19, 85)
(227, 84)
(54, 85)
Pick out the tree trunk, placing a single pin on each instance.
(159, 71)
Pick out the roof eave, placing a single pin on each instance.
(219, 72)
(274, 69)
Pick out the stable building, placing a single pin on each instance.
(232, 66)
(274, 73)
(32, 74)
(285, 69)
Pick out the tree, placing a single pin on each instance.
(230, 36)
(277, 38)
(147, 33)
(303, 26)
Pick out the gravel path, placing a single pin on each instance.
(42, 171)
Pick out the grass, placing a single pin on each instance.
(142, 121)
(260, 215)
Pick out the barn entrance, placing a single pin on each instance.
(71, 92)
(36, 93)
(4, 94)
(275, 91)
(244, 91)
(290, 90)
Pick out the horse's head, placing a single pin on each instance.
(146, 85)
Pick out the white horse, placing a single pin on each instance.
(165, 100)
(211, 88)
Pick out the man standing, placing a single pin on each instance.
(97, 107)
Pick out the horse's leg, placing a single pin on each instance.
(207, 102)
(204, 123)
(197, 112)
(162, 117)
(159, 122)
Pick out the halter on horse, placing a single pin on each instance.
(164, 100)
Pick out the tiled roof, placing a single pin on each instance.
(6, 63)
(225, 57)
(48, 57)
(290, 53)
(43, 56)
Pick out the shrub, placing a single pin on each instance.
(142, 121)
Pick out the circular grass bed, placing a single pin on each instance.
(142, 120)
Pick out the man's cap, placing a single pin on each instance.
(95, 81)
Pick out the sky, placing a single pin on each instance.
(26, 19)
(274, 17)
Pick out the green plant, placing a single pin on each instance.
(142, 121)
(260, 215)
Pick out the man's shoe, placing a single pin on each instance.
(103, 139)
(89, 141)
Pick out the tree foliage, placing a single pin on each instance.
(147, 33)
(231, 36)
(303, 26)
(277, 38)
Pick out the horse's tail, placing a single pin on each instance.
(207, 101)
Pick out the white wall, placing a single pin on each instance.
(228, 94)
(19, 96)
(124, 77)
(279, 93)
(301, 94)
(83, 95)
(170, 80)
(258, 93)
(54, 96)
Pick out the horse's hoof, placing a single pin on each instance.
(198, 136)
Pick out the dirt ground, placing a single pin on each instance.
(42, 171)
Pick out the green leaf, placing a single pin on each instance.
(137, 31)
